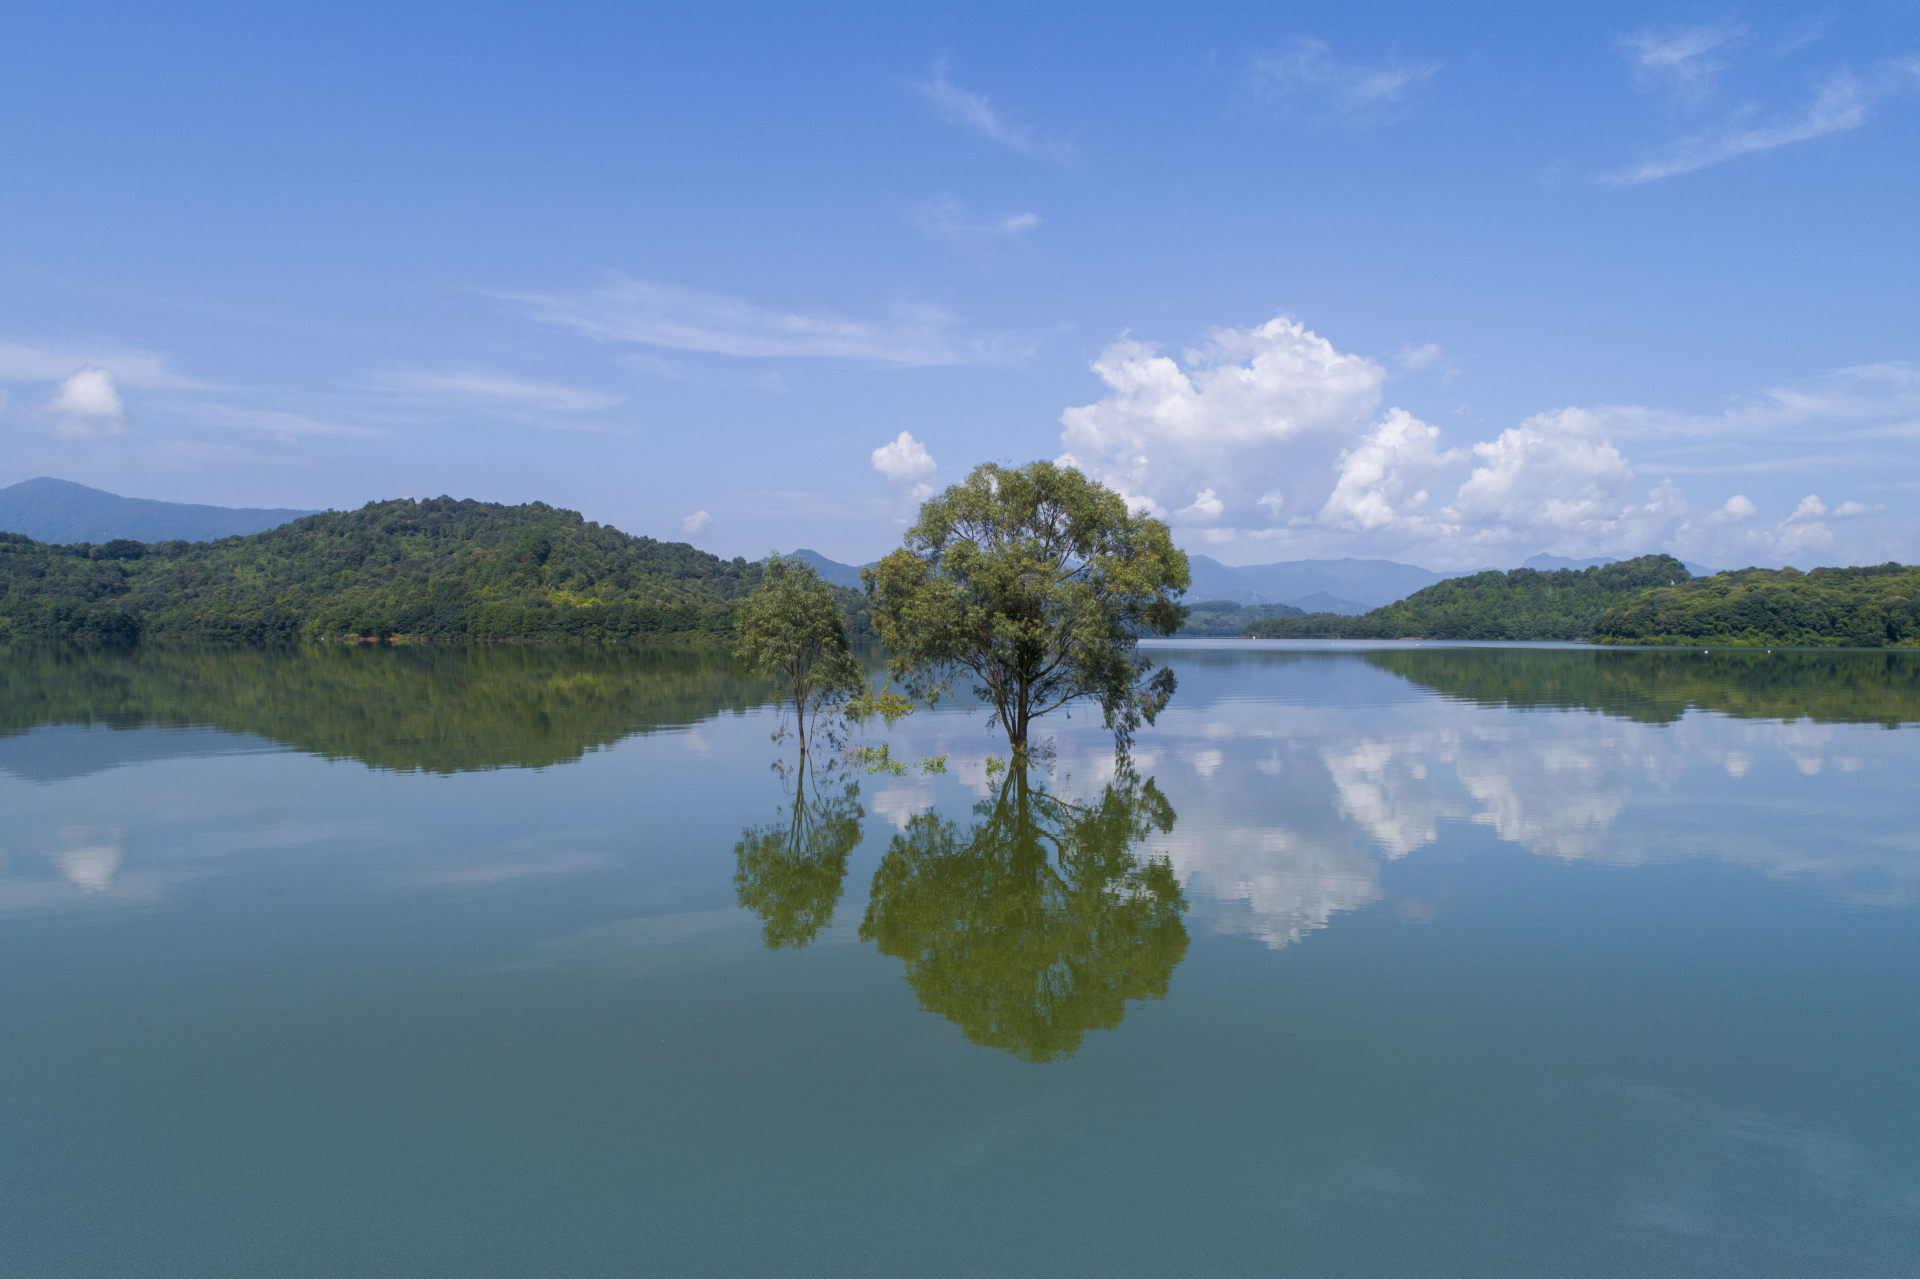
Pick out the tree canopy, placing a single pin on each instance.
(1036, 583)
(790, 628)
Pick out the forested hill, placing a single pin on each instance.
(1874, 607)
(1525, 604)
(437, 570)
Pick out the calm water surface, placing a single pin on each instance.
(1439, 961)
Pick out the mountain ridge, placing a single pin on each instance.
(63, 513)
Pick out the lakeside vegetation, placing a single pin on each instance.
(440, 570)
(1652, 600)
(1873, 607)
(1219, 619)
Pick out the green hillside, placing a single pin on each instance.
(1875, 607)
(440, 570)
(1212, 619)
(1525, 604)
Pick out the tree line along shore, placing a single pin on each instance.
(460, 571)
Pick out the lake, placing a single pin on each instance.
(1401, 959)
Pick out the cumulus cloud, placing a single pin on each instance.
(1304, 77)
(1381, 478)
(692, 524)
(975, 113)
(1738, 507)
(1168, 428)
(904, 459)
(1557, 476)
(88, 402)
(1206, 508)
(1847, 510)
(648, 313)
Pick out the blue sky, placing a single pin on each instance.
(1450, 285)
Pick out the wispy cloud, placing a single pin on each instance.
(1843, 102)
(976, 113)
(1304, 75)
(947, 219)
(502, 390)
(278, 423)
(645, 313)
(32, 362)
(1679, 63)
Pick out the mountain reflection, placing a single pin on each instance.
(434, 710)
(1039, 921)
(790, 871)
(1659, 686)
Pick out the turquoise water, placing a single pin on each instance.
(1440, 961)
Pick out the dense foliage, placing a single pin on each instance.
(790, 628)
(1875, 607)
(1037, 583)
(439, 709)
(1213, 619)
(1525, 604)
(434, 570)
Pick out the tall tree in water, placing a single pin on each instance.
(1036, 582)
(791, 628)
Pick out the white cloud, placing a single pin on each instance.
(1306, 72)
(947, 219)
(88, 402)
(1206, 508)
(502, 390)
(692, 524)
(1842, 103)
(976, 113)
(904, 459)
(1738, 507)
(1810, 508)
(1166, 429)
(1380, 478)
(1556, 478)
(1847, 510)
(646, 313)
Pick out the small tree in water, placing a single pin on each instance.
(1038, 583)
(791, 628)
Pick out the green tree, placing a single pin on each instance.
(791, 628)
(790, 872)
(1039, 922)
(1037, 582)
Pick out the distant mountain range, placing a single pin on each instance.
(1346, 586)
(1548, 563)
(62, 512)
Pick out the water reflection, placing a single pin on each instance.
(1039, 921)
(434, 710)
(789, 872)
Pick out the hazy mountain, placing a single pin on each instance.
(1357, 585)
(832, 571)
(59, 511)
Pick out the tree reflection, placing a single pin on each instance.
(789, 872)
(1038, 923)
